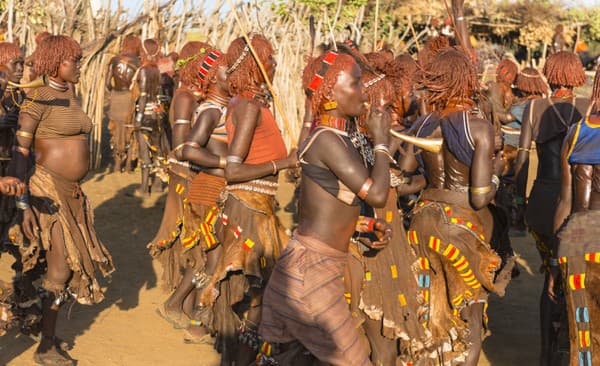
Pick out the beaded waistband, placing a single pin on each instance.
(258, 186)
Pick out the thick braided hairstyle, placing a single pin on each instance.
(150, 48)
(190, 59)
(531, 82)
(247, 73)
(9, 51)
(131, 44)
(376, 91)
(449, 75)
(507, 71)
(564, 69)
(433, 46)
(52, 51)
(319, 96)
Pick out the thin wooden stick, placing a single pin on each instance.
(286, 124)
(376, 25)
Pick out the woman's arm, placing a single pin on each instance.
(246, 115)
(195, 149)
(183, 109)
(20, 166)
(485, 165)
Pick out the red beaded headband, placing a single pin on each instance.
(328, 60)
(208, 63)
(350, 43)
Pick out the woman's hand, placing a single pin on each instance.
(499, 163)
(383, 233)
(291, 161)
(29, 224)
(11, 186)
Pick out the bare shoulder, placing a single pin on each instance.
(184, 96)
(241, 107)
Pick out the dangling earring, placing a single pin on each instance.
(329, 106)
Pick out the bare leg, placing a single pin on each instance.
(130, 148)
(119, 145)
(473, 315)
(57, 275)
(548, 336)
(174, 303)
(245, 354)
(144, 153)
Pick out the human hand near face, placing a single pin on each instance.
(499, 163)
(11, 186)
(378, 125)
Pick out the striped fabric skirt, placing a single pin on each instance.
(304, 301)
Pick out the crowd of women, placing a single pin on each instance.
(399, 241)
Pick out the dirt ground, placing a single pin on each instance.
(125, 330)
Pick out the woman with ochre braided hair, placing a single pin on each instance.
(206, 148)
(249, 231)
(546, 121)
(121, 71)
(451, 225)
(385, 289)
(148, 117)
(576, 223)
(529, 85)
(57, 218)
(170, 246)
(304, 306)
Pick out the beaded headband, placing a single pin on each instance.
(373, 81)
(238, 62)
(208, 63)
(350, 43)
(328, 60)
(184, 61)
(536, 76)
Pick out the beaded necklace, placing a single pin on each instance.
(258, 95)
(338, 123)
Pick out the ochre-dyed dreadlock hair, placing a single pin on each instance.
(450, 75)
(190, 72)
(131, 44)
(433, 46)
(379, 59)
(190, 58)
(531, 82)
(595, 98)
(247, 73)
(401, 74)
(150, 48)
(318, 97)
(40, 37)
(564, 69)
(507, 71)
(52, 51)
(9, 51)
(381, 89)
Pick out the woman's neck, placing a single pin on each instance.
(57, 83)
(217, 96)
(455, 105)
(563, 92)
(333, 120)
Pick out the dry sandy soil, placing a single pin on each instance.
(125, 330)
